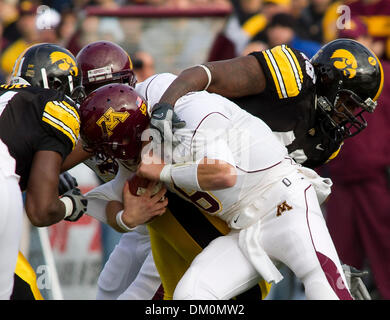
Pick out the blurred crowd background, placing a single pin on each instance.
(190, 31)
(170, 35)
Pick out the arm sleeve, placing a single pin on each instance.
(97, 208)
(98, 199)
(101, 195)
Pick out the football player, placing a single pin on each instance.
(103, 62)
(225, 150)
(295, 96)
(39, 124)
(11, 216)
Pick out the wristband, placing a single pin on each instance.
(185, 175)
(68, 206)
(165, 174)
(121, 224)
(208, 75)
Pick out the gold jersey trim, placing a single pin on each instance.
(285, 70)
(63, 117)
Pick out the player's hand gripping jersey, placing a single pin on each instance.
(290, 93)
(34, 119)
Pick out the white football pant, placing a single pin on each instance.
(297, 238)
(11, 221)
(130, 272)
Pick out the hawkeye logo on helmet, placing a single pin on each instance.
(110, 119)
(345, 61)
(64, 62)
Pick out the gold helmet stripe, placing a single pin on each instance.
(378, 93)
(18, 64)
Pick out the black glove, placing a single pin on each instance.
(164, 119)
(66, 182)
(79, 202)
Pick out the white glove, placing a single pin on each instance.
(355, 282)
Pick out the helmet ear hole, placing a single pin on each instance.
(55, 83)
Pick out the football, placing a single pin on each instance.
(138, 185)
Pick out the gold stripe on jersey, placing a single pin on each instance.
(67, 107)
(285, 70)
(334, 154)
(13, 86)
(267, 55)
(24, 271)
(294, 57)
(64, 118)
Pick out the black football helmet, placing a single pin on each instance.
(48, 65)
(103, 62)
(349, 82)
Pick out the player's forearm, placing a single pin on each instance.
(209, 174)
(192, 79)
(104, 210)
(112, 209)
(42, 204)
(216, 175)
(44, 213)
(77, 156)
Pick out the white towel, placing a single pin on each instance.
(249, 243)
(322, 186)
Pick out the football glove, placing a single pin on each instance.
(66, 182)
(355, 282)
(79, 202)
(164, 120)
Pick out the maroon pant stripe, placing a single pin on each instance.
(333, 276)
(329, 267)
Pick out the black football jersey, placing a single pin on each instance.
(34, 119)
(288, 105)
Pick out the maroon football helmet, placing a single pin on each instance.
(113, 118)
(104, 62)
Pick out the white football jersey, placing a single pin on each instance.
(217, 128)
(7, 162)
